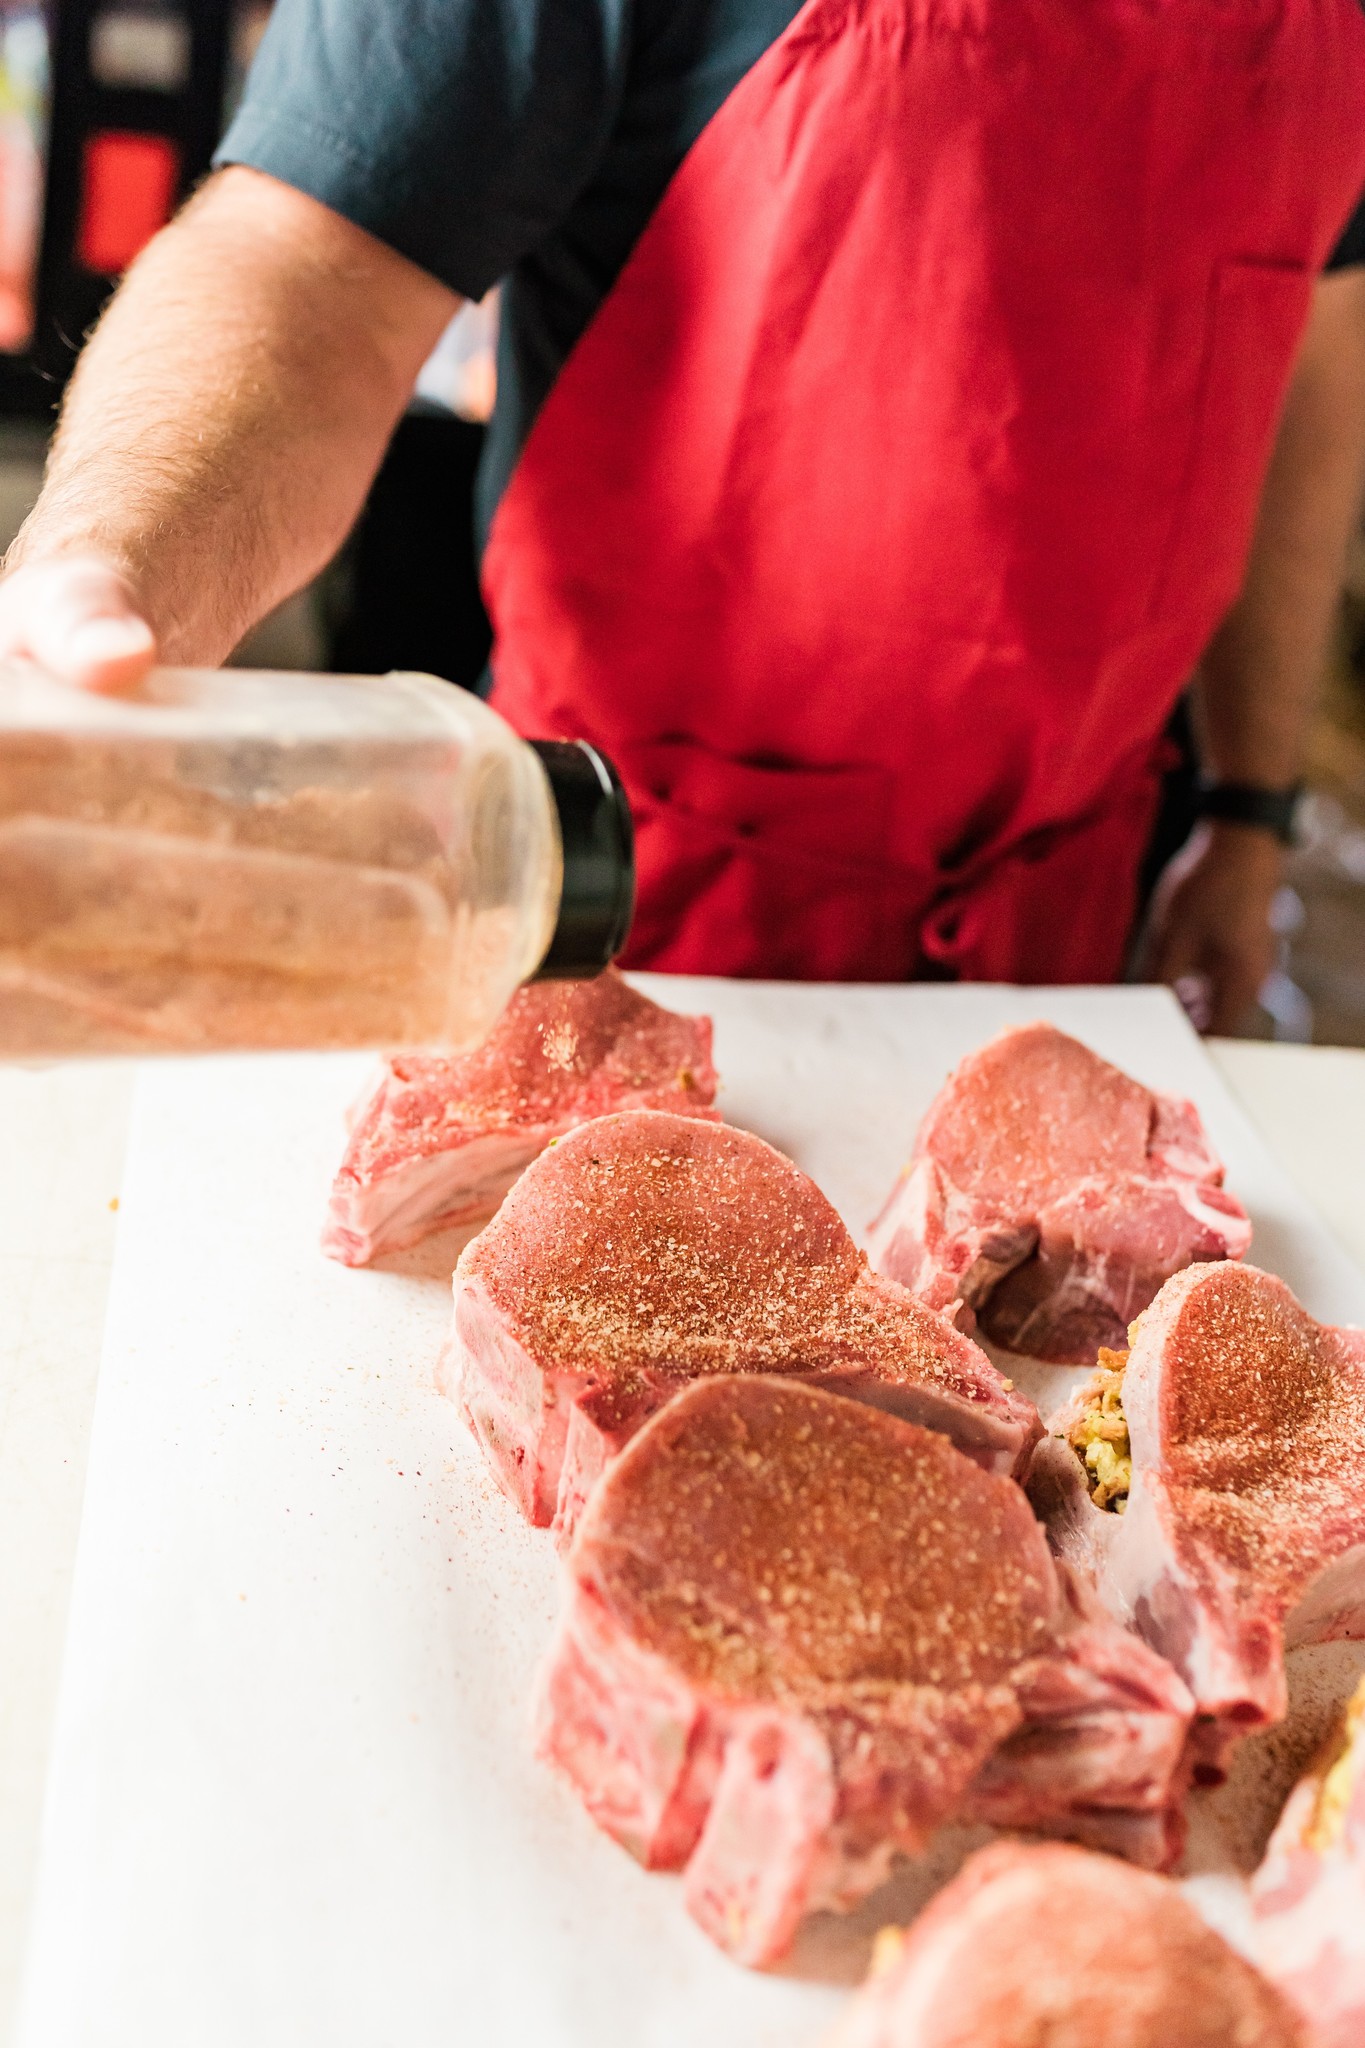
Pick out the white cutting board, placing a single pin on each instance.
(292, 1799)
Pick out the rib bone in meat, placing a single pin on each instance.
(1243, 1530)
(801, 1633)
(1052, 1195)
(644, 1250)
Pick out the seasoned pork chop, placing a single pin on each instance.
(1052, 1196)
(645, 1250)
(1050, 1947)
(1240, 1528)
(439, 1140)
(800, 1633)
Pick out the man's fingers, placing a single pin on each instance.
(1194, 992)
(1210, 932)
(1176, 948)
(1191, 963)
(77, 618)
(1216, 983)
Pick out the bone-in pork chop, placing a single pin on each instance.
(1052, 1195)
(801, 1633)
(645, 1250)
(1050, 1947)
(1239, 1527)
(1309, 1894)
(439, 1140)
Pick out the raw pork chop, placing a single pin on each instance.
(1309, 1894)
(801, 1633)
(1244, 1525)
(1052, 1195)
(439, 1140)
(1050, 1947)
(644, 1250)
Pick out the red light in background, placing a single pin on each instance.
(128, 187)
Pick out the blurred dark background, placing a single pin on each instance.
(109, 112)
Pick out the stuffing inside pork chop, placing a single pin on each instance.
(1342, 1770)
(1099, 1434)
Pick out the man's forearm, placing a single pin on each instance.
(229, 413)
(1259, 680)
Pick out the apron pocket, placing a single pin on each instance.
(758, 869)
(1060, 906)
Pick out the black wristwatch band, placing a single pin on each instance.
(1248, 803)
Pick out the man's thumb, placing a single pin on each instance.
(77, 619)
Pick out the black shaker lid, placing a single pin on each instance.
(595, 826)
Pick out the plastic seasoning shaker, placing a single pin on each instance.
(239, 860)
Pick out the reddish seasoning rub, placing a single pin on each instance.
(645, 1250)
(440, 1139)
(1263, 1427)
(775, 1544)
(802, 1633)
(1245, 1520)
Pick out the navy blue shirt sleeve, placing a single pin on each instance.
(460, 132)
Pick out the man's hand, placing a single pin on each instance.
(78, 617)
(1210, 935)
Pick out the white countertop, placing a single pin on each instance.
(66, 1130)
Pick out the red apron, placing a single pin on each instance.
(885, 507)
